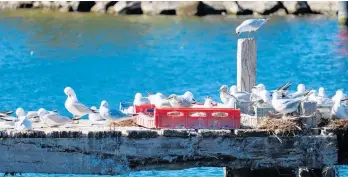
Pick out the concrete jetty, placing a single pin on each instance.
(85, 149)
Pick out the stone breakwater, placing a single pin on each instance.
(190, 8)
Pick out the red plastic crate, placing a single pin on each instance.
(196, 118)
(143, 108)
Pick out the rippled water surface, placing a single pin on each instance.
(112, 58)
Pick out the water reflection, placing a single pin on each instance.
(342, 42)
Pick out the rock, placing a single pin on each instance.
(324, 7)
(99, 7)
(261, 7)
(74, 5)
(159, 7)
(110, 4)
(211, 8)
(298, 7)
(37, 4)
(9, 4)
(85, 6)
(26, 4)
(63, 6)
(127, 7)
(46, 4)
(188, 8)
(232, 7)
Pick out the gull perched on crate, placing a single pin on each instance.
(250, 25)
(185, 100)
(287, 105)
(140, 100)
(73, 105)
(339, 110)
(155, 98)
(208, 102)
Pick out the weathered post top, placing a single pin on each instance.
(342, 12)
(246, 64)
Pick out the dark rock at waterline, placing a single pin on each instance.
(26, 5)
(168, 12)
(298, 7)
(127, 8)
(205, 9)
(85, 6)
(110, 4)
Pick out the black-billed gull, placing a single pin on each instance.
(185, 100)
(301, 90)
(22, 123)
(53, 119)
(225, 96)
(74, 106)
(250, 25)
(140, 100)
(241, 96)
(208, 102)
(95, 116)
(287, 105)
(339, 110)
(104, 110)
(340, 93)
(263, 96)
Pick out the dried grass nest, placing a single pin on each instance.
(127, 122)
(279, 126)
(338, 124)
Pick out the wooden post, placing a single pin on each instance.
(246, 64)
(343, 13)
(228, 172)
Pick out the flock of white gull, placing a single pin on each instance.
(280, 99)
(23, 120)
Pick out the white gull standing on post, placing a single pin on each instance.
(250, 25)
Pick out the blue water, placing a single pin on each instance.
(112, 58)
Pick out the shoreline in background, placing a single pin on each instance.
(180, 8)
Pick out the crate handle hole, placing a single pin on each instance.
(175, 113)
(198, 114)
(219, 114)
